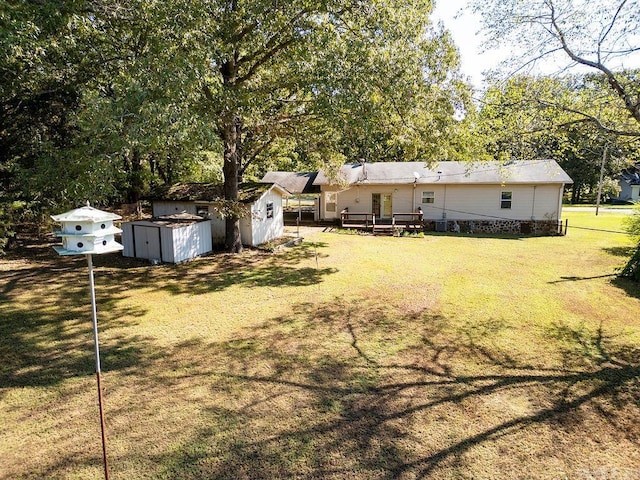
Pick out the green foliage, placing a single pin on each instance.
(8, 217)
(632, 224)
(632, 268)
(529, 118)
(103, 100)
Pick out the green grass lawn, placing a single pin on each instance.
(447, 356)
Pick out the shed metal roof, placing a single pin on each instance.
(522, 171)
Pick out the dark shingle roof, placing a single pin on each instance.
(631, 175)
(248, 192)
(294, 182)
(524, 171)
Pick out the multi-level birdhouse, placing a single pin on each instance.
(87, 230)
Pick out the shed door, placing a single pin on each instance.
(147, 242)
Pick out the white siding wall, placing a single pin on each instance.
(359, 198)
(266, 229)
(191, 241)
(629, 192)
(255, 228)
(171, 208)
(246, 233)
(218, 228)
(482, 202)
(127, 239)
(461, 202)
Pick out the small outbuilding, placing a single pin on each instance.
(262, 222)
(169, 238)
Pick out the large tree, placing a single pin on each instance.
(323, 71)
(133, 89)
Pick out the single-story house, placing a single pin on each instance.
(514, 197)
(262, 221)
(169, 238)
(629, 182)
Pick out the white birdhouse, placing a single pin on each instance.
(87, 230)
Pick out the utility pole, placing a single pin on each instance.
(604, 159)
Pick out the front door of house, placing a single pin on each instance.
(382, 205)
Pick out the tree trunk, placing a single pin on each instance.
(230, 169)
(576, 193)
(133, 166)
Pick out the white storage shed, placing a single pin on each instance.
(169, 238)
(262, 222)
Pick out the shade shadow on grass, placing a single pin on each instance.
(46, 325)
(217, 272)
(320, 394)
(47, 338)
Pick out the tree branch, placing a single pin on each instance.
(266, 56)
(589, 118)
(632, 108)
(606, 33)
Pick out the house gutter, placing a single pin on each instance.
(560, 190)
(444, 202)
(533, 204)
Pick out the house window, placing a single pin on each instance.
(270, 210)
(505, 200)
(428, 197)
(202, 210)
(331, 201)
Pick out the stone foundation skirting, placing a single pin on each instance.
(495, 227)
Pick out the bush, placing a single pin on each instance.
(632, 268)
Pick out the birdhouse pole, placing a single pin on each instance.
(96, 343)
(86, 231)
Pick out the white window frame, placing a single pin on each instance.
(506, 199)
(428, 197)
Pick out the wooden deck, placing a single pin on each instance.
(395, 225)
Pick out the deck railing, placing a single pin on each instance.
(397, 222)
(357, 220)
(408, 221)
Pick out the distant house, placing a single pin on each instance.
(629, 182)
(516, 197)
(262, 222)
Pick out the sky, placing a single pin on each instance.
(465, 29)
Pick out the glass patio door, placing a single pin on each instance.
(382, 205)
